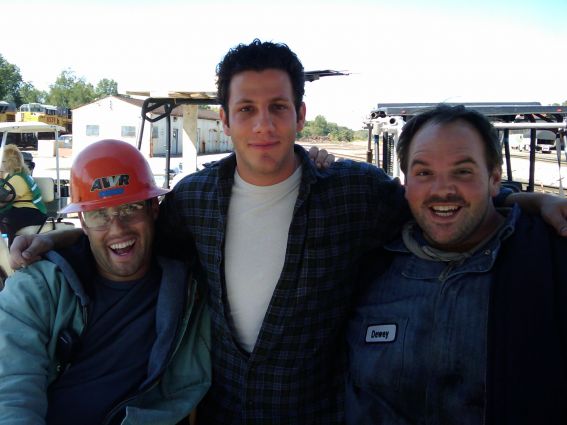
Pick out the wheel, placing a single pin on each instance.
(7, 192)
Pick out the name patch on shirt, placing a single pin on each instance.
(381, 333)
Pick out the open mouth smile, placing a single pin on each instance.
(122, 248)
(445, 210)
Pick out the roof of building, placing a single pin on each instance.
(207, 114)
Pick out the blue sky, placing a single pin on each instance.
(397, 51)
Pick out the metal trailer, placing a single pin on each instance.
(387, 120)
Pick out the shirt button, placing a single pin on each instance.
(487, 252)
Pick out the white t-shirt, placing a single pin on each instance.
(256, 239)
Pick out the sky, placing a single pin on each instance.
(395, 51)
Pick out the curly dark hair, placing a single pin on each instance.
(446, 114)
(258, 56)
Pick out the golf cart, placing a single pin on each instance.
(50, 190)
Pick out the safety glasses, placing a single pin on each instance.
(127, 214)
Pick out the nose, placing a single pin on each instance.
(263, 121)
(442, 186)
(116, 222)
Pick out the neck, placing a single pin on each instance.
(269, 178)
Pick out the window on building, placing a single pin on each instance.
(92, 130)
(128, 131)
(155, 132)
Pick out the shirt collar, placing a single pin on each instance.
(309, 173)
(412, 240)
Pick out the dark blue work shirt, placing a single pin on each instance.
(112, 358)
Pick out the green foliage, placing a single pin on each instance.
(10, 81)
(70, 91)
(29, 94)
(106, 87)
(320, 127)
(361, 135)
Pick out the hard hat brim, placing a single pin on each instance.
(90, 205)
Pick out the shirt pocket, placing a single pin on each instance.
(376, 351)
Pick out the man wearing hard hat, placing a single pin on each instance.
(104, 331)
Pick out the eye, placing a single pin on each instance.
(280, 107)
(422, 173)
(131, 209)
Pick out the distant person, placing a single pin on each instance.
(28, 160)
(467, 325)
(279, 241)
(20, 200)
(104, 331)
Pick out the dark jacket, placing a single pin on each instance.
(527, 377)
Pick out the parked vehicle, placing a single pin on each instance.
(49, 114)
(7, 112)
(65, 141)
(545, 141)
(50, 189)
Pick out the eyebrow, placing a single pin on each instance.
(466, 160)
(274, 99)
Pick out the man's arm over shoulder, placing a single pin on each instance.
(27, 249)
(25, 317)
(180, 210)
(552, 208)
(383, 197)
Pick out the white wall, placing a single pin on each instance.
(212, 136)
(110, 114)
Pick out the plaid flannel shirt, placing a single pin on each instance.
(295, 373)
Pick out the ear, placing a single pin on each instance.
(224, 119)
(301, 117)
(494, 181)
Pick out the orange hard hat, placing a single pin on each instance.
(109, 173)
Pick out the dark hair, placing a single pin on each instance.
(258, 56)
(445, 114)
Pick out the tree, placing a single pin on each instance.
(29, 94)
(10, 81)
(70, 91)
(361, 135)
(320, 127)
(106, 87)
(343, 134)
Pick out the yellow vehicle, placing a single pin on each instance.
(7, 112)
(48, 114)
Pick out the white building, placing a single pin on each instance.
(119, 117)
